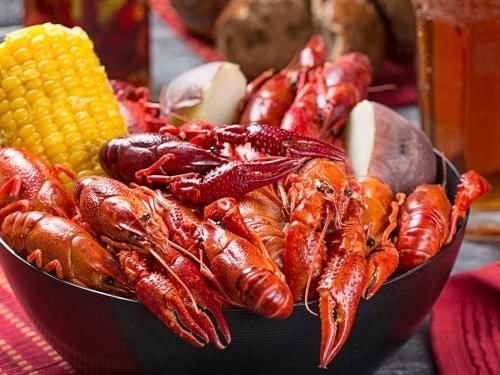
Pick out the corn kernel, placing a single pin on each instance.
(52, 139)
(18, 103)
(7, 61)
(15, 70)
(22, 55)
(6, 117)
(18, 92)
(4, 106)
(26, 131)
(21, 115)
(33, 95)
(34, 84)
(10, 83)
(29, 74)
(55, 150)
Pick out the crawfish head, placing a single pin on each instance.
(122, 216)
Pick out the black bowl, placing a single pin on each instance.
(100, 333)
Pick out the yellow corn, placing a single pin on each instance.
(55, 99)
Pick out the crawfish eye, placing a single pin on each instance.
(370, 242)
(348, 192)
(323, 188)
(214, 150)
(133, 237)
(109, 281)
(146, 217)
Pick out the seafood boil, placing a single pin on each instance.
(195, 217)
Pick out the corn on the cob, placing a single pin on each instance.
(55, 99)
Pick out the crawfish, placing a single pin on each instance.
(59, 245)
(126, 220)
(246, 275)
(424, 223)
(325, 248)
(28, 183)
(318, 197)
(140, 114)
(269, 97)
(323, 105)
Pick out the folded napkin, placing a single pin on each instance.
(465, 323)
(401, 76)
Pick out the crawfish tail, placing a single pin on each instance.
(423, 225)
(56, 243)
(245, 274)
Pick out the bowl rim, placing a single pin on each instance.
(444, 249)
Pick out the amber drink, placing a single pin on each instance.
(459, 91)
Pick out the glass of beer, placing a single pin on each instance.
(458, 59)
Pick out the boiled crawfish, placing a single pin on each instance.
(28, 183)
(269, 96)
(245, 273)
(424, 223)
(187, 169)
(60, 246)
(324, 103)
(127, 222)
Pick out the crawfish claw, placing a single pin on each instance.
(234, 179)
(382, 263)
(340, 291)
(159, 295)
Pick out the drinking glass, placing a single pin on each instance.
(458, 59)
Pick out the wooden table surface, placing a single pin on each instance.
(169, 58)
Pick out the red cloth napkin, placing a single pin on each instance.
(22, 349)
(402, 76)
(465, 323)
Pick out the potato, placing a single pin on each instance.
(262, 34)
(381, 143)
(401, 22)
(350, 25)
(199, 16)
(210, 91)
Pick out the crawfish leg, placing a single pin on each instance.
(55, 265)
(153, 167)
(11, 188)
(36, 256)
